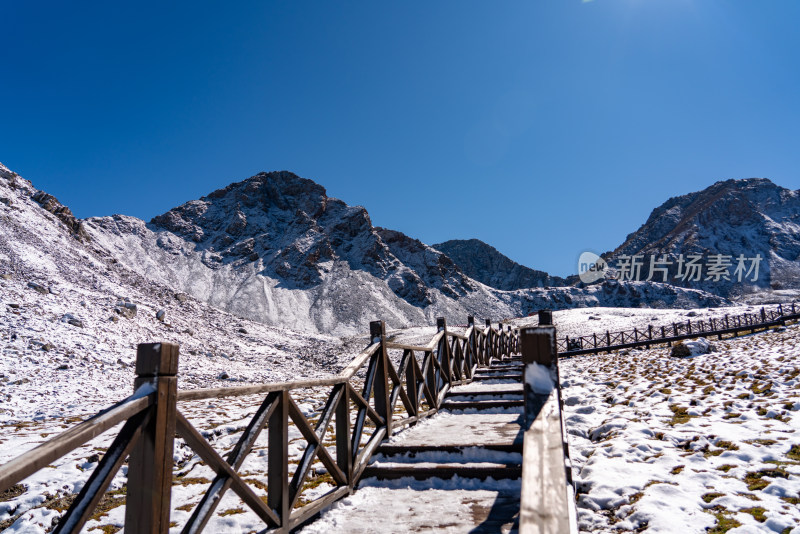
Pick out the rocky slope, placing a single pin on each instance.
(748, 217)
(486, 264)
(276, 249)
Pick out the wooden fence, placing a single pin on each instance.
(547, 502)
(362, 408)
(729, 324)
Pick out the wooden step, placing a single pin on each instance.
(492, 392)
(389, 449)
(496, 368)
(517, 377)
(482, 405)
(444, 471)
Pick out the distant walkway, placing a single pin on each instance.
(457, 472)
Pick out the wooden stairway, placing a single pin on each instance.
(469, 455)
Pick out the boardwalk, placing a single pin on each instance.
(411, 438)
(459, 471)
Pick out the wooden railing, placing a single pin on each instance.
(547, 501)
(728, 324)
(362, 408)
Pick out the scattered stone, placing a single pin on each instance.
(680, 350)
(242, 331)
(83, 303)
(38, 288)
(181, 297)
(71, 319)
(7, 201)
(126, 309)
(691, 314)
(189, 332)
(697, 347)
(44, 345)
(223, 376)
(20, 382)
(13, 305)
(62, 367)
(113, 319)
(161, 315)
(6, 276)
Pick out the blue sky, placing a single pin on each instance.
(544, 128)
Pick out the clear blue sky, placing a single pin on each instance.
(544, 128)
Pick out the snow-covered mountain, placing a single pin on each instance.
(486, 264)
(750, 218)
(275, 248)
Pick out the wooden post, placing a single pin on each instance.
(344, 453)
(763, 315)
(608, 338)
(444, 350)
(278, 460)
(150, 463)
(545, 317)
(377, 332)
(538, 346)
(411, 384)
(473, 346)
(489, 343)
(663, 333)
(689, 326)
(595, 342)
(501, 353)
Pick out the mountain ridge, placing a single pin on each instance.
(275, 249)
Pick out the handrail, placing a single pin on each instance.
(240, 391)
(43, 455)
(369, 408)
(400, 346)
(608, 341)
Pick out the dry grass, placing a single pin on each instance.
(680, 414)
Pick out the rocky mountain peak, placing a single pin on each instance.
(287, 228)
(486, 264)
(747, 217)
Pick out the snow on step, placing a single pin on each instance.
(464, 430)
(444, 473)
(488, 387)
(407, 505)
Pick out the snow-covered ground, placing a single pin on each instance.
(663, 444)
(641, 461)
